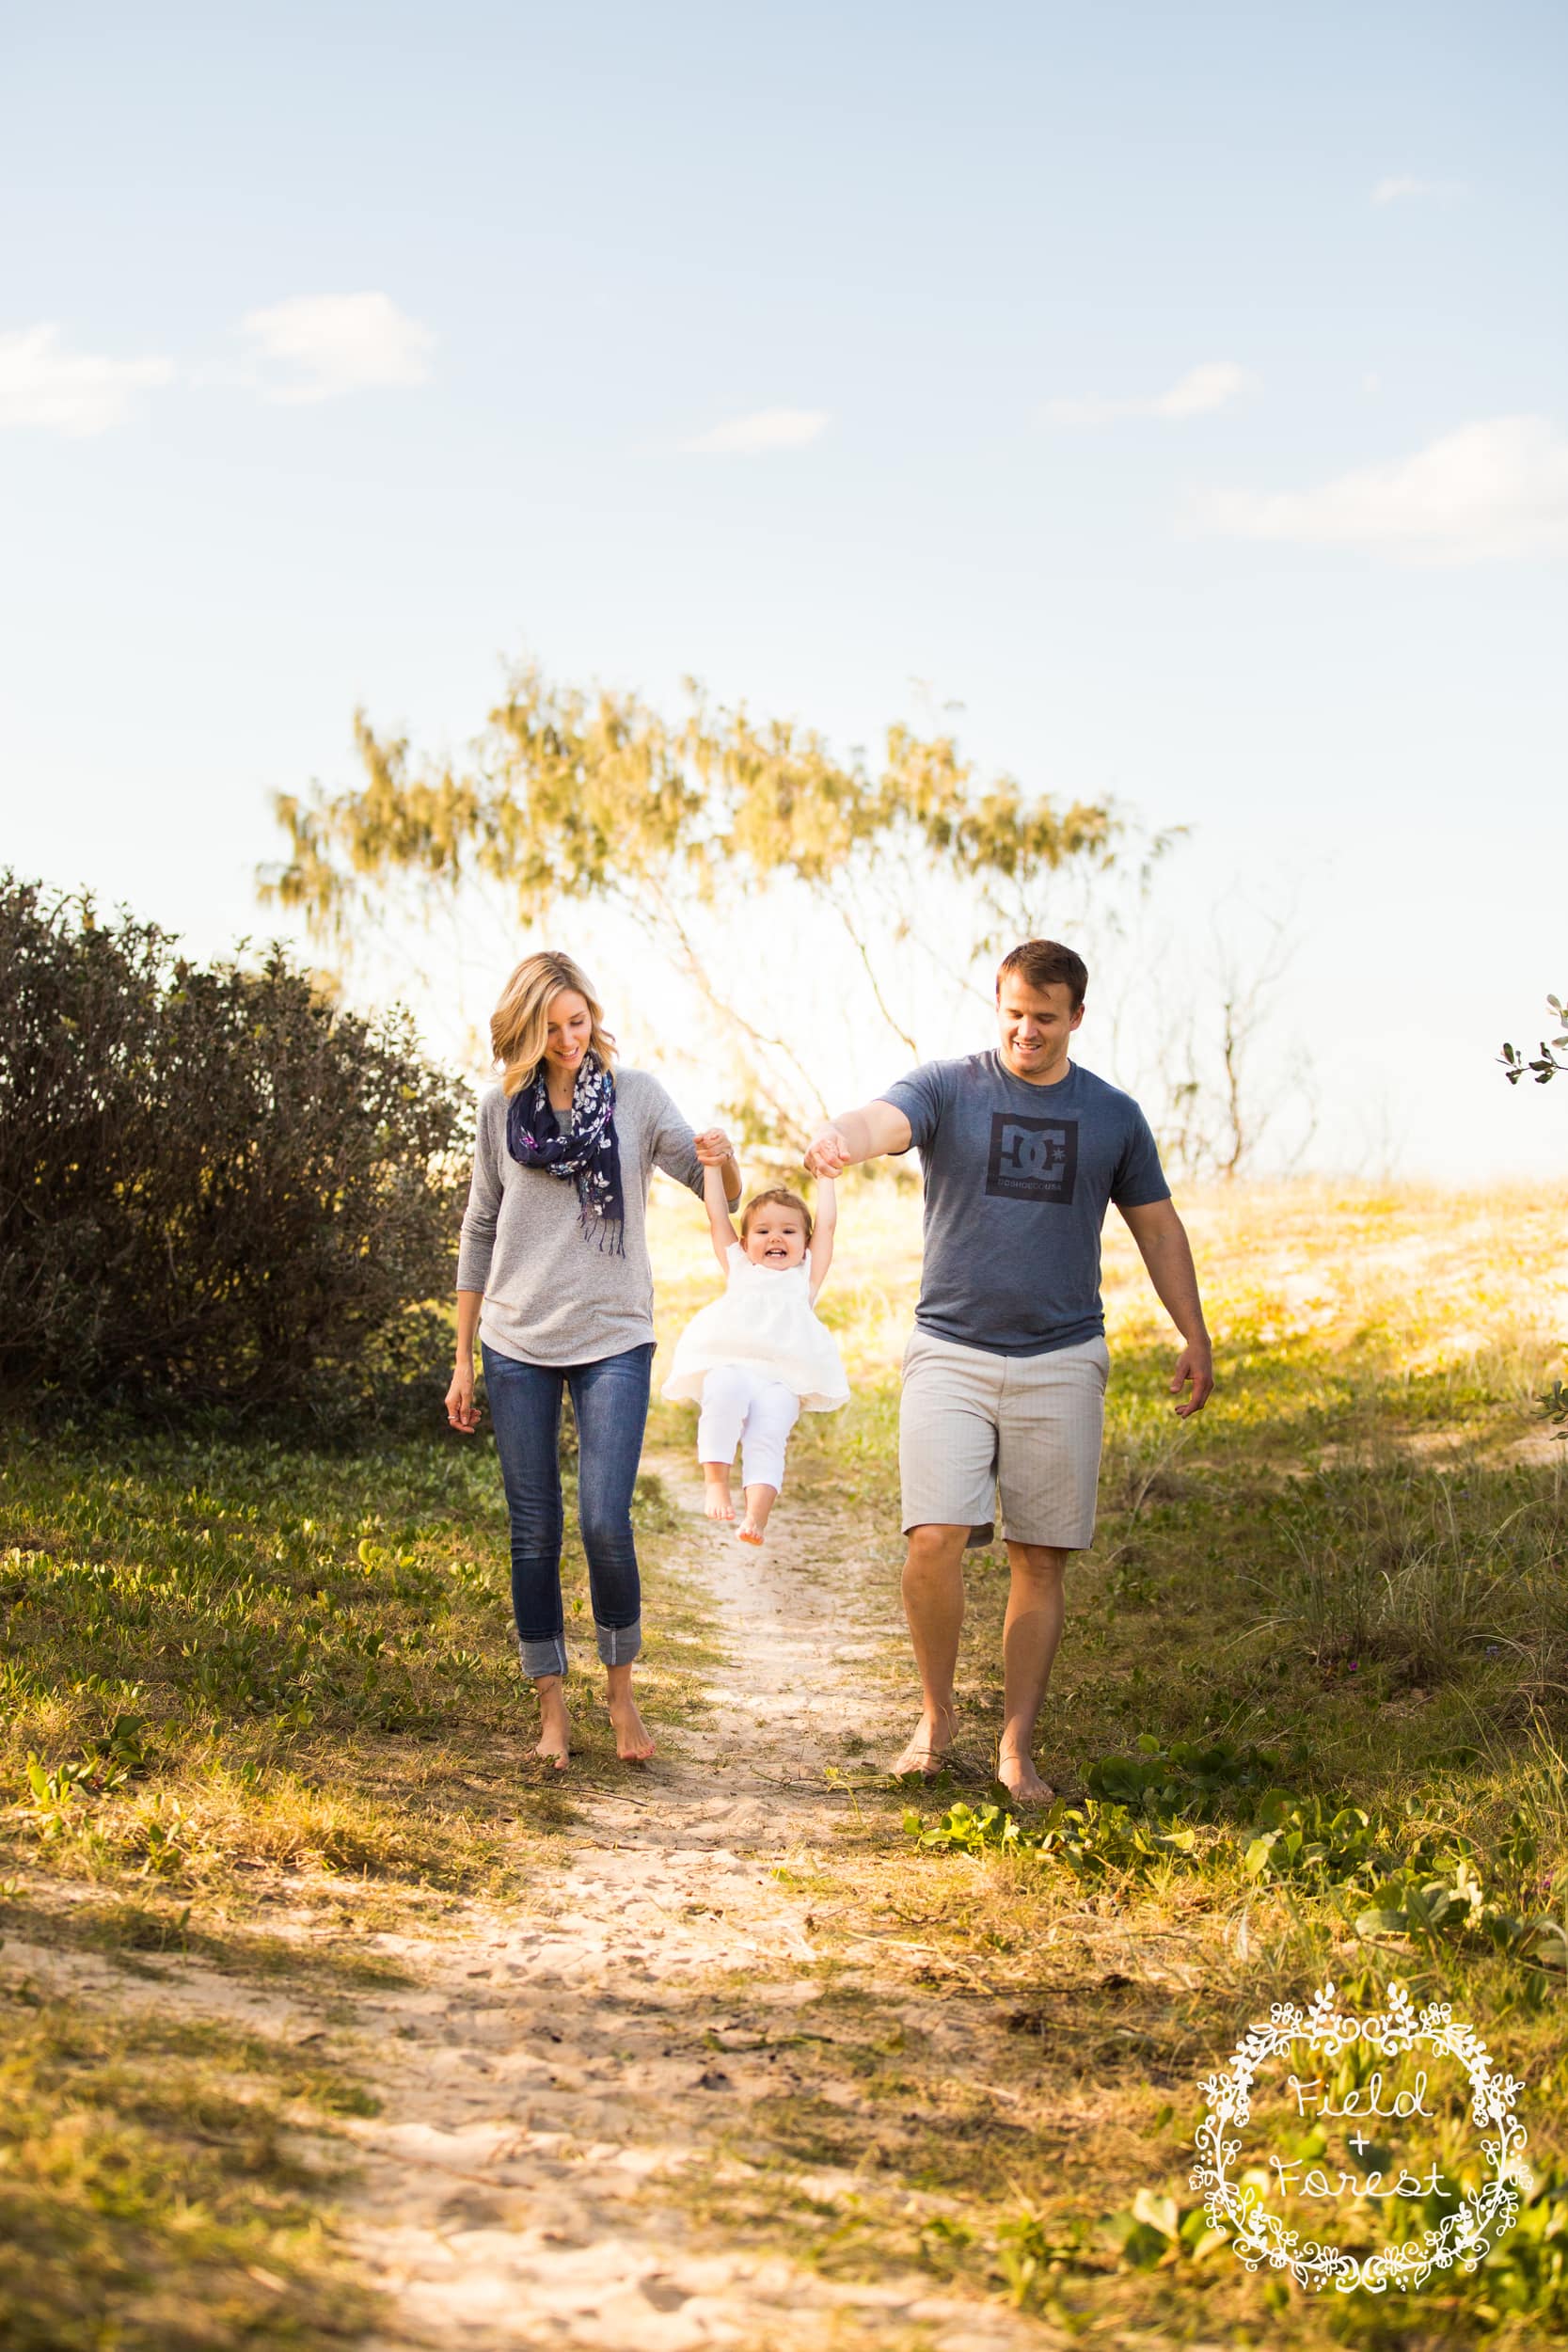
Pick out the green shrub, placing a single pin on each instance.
(217, 1189)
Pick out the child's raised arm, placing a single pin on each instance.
(824, 1227)
(713, 1151)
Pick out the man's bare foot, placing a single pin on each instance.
(554, 1744)
(928, 1746)
(759, 1502)
(716, 1497)
(1019, 1777)
(633, 1742)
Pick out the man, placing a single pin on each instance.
(1005, 1372)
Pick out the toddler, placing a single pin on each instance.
(757, 1356)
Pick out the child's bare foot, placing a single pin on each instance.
(759, 1502)
(927, 1749)
(555, 1726)
(716, 1497)
(1019, 1777)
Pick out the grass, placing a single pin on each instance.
(154, 2194)
(236, 1680)
(235, 1676)
(1356, 1565)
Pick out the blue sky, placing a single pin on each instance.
(1183, 391)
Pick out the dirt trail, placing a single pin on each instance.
(538, 2087)
(549, 2073)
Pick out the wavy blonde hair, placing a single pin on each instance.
(521, 1021)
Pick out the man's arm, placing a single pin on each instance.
(862, 1134)
(1163, 1244)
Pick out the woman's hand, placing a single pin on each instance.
(461, 1411)
(714, 1148)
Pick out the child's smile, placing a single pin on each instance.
(776, 1238)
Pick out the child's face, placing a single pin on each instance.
(776, 1237)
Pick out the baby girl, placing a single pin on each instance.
(756, 1357)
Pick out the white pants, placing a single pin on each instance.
(740, 1404)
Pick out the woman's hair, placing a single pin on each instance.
(520, 1022)
(775, 1198)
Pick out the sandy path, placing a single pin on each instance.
(545, 2077)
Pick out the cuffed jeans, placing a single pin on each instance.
(610, 1400)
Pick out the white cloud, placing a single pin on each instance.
(1198, 393)
(1498, 487)
(318, 346)
(1401, 187)
(69, 392)
(768, 428)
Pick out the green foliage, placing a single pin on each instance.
(1193, 1778)
(1416, 1880)
(216, 1189)
(574, 795)
(1301, 1837)
(1090, 1839)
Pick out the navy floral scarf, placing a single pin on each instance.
(590, 1156)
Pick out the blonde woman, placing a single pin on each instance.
(553, 1278)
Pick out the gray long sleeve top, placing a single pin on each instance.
(551, 1295)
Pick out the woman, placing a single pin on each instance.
(553, 1276)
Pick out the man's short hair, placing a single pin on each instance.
(1046, 963)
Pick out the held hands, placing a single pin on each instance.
(828, 1153)
(1194, 1365)
(461, 1411)
(714, 1148)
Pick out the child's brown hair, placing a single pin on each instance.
(777, 1198)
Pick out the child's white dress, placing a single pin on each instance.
(765, 1323)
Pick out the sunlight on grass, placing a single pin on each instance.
(1309, 1722)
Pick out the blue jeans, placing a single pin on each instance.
(610, 1400)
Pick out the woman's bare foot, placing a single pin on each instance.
(555, 1726)
(759, 1502)
(633, 1741)
(1019, 1777)
(928, 1746)
(716, 1497)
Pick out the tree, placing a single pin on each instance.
(593, 798)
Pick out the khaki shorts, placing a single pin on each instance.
(972, 1424)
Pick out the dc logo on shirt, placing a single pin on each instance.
(1032, 1159)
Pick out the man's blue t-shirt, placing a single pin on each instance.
(1017, 1179)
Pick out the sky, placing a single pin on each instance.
(1181, 394)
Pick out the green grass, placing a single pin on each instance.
(230, 1673)
(1355, 1566)
(153, 2193)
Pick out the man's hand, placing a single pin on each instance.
(1195, 1366)
(828, 1153)
(714, 1148)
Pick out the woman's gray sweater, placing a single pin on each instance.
(551, 1295)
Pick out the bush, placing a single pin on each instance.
(216, 1190)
